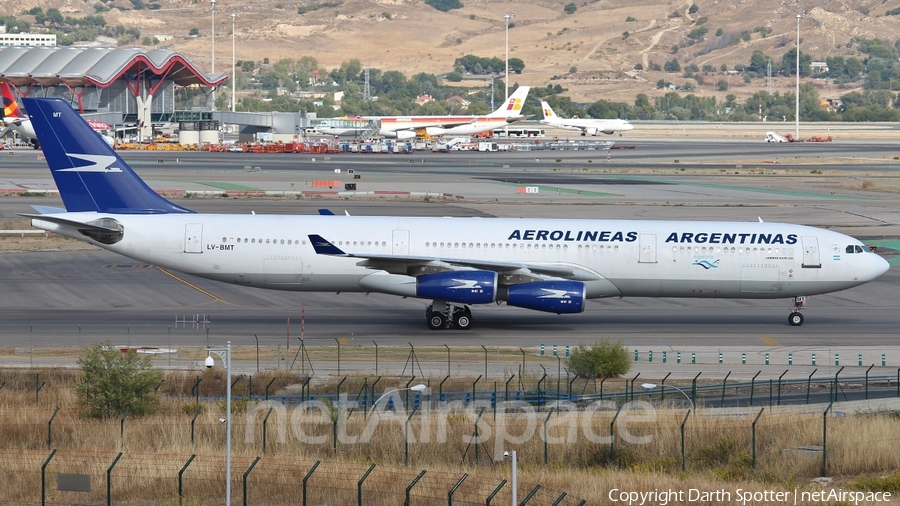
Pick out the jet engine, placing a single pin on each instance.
(405, 134)
(550, 296)
(463, 287)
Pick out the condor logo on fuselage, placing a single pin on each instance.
(572, 235)
(724, 238)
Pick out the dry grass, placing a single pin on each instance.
(718, 450)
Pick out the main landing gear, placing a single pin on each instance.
(453, 316)
(796, 318)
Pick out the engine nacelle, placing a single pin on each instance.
(550, 296)
(591, 131)
(435, 131)
(405, 135)
(464, 287)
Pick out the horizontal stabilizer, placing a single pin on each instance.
(77, 225)
(323, 247)
(48, 209)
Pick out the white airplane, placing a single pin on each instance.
(587, 126)
(551, 265)
(14, 120)
(408, 127)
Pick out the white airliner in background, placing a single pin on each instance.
(542, 264)
(587, 126)
(408, 127)
(14, 120)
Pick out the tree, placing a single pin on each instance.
(444, 5)
(454, 77)
(600, 359)
(672, 65)
(516, 65)
(194, 32)
(759, 62)
(112, 381)
(722, 85)
(693, 8)
(570, 8)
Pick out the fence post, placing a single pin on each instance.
(722, 402)
(359, 485)
(452, 490)
(530, 495)
(267, 387)
(43, 475)
(779, 385)
(559, 499)
(195, 390)
(122, 422)
(306, 478)
(109, 479)
(867, 380)
(410, 486)
(825, 438)
(265, 433)
(193, 420)
(546, 420)
(612, 438)
(683, 422)
(753, 385)
(247, 473)
(662, 387)
(38, 386)
(694, 388)
(808, 382)
(487, 502)
(505, 388)
(180, 473)
(50, 426)
(406, 436)
(753, 430)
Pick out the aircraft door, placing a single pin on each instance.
(648, 249)
(401, 242)
(811, 258)
(193, 238)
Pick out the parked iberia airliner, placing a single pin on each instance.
(541, 264)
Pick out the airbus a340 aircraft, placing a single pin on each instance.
(408, 127)
(541, 264)
(586, 125)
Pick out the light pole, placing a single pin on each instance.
(415, 388)
(507, 17)
(515, 477)
(651, 386)
(225, 355)
(212, 36)
(797, 98)
(233, 75)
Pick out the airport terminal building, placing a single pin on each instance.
(115, 85)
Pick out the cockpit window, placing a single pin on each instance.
(849, 249)
(859, 249)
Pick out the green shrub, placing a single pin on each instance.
(600, 359)
(112, 381)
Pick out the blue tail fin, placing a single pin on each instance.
(89, 174)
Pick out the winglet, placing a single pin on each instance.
(323, 247)
(325, 212)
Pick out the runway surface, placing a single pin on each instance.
(48, 295)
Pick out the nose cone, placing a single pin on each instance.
(876, 266)
(627, 126)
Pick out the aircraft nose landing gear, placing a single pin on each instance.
(459, 317)
(796, 318)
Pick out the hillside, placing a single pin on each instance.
(412, 37)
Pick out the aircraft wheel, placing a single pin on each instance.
(436, 320)
(463, 320)
(795, 319)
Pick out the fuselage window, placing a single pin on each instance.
(595, 247)
(617, 247)
(282, 241)
(253, 241)
(442, 245)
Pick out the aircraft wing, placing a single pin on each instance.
(411, 265)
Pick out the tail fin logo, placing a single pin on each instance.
(548, 113)
(99, 163)
(10, 106)
(515, 104)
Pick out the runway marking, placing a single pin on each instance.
(770, 341)
(195, 287)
